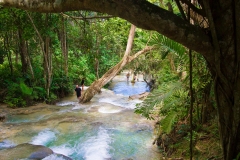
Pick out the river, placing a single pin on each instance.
(106, 128)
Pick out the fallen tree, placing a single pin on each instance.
(110, 74)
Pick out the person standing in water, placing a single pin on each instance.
(78, 92)
(128, 75)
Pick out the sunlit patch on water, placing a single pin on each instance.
(109, 109)
(44, 137)
(6, 144)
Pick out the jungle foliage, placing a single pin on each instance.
(41, 52)
(169, 103)
(90, 48)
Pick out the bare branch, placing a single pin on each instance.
(86, 18)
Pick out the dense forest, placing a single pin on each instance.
(43, 55)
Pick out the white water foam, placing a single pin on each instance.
(43, 137)
(66, 103)
(109, 110)
(54, 157)
(63, 149)
(97, 147)
(6, 144)
(122, 101)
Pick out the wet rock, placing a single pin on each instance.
(29, 151)
(64, 157)
(41, 153)
(24, 151)
(139, 96)
(2, 117)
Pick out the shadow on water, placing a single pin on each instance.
(105, 128)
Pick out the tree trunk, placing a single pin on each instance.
(96, 67)
(218, 43)
(97, 85)
(97, 55)
(48, 65)
(47, 55)
(110, 74)
(225, 70)
(29, 63)
(207, 107)
(7, 49)
(23, 51)
(63, 40)
(228, 99)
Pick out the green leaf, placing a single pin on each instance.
(25, 89)
(168, 122)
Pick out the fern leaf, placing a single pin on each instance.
(25, 89)
(168, 122)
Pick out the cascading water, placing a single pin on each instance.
(105, 128)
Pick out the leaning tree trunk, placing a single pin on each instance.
(110, 74)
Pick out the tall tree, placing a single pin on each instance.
(47, 54)
(63, 40)
(217, 42)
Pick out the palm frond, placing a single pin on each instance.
(168, 98)
(168, 45)
(168, 122)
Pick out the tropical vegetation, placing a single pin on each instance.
(196, 85)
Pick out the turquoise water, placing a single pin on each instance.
(128, 88)
(104, 129)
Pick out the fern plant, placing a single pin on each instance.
(18, 95)
(168, 102)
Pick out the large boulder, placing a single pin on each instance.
(28, 151)
(25, 150)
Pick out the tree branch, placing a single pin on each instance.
(195, 9)
(181, 10)
(141, 13)
(85, 18)
(143, 51)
